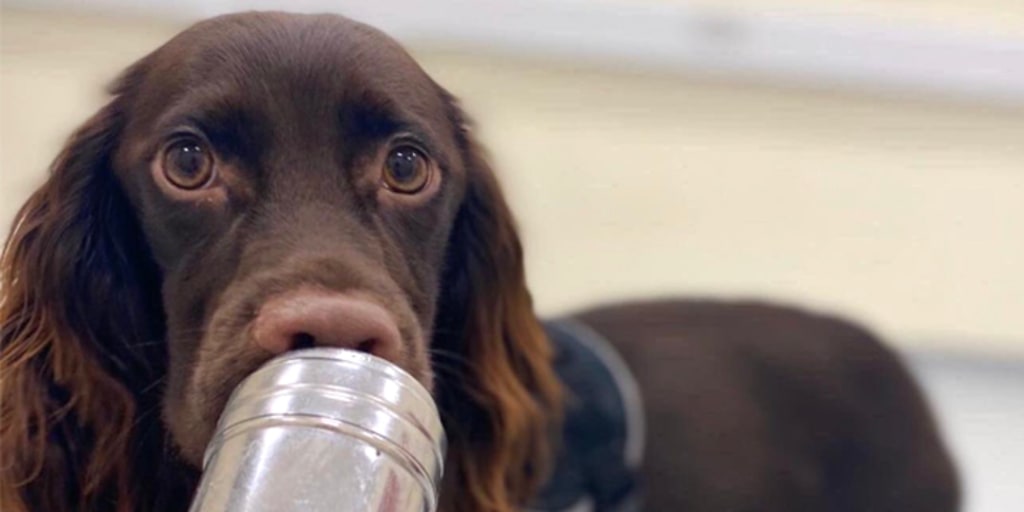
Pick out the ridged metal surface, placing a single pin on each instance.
(322, 430)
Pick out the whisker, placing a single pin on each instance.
(158, 381)
(445, 372)
(143, 417)
(145, 344)
(448, 355)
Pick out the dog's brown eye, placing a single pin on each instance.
(406, 170)
(188, 164)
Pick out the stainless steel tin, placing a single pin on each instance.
(323, 430)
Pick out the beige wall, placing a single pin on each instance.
(993, 16)
(905, 214)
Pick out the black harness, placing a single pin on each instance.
(599, 455)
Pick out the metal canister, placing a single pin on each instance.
(321, 430)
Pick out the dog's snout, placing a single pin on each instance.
(314, 318)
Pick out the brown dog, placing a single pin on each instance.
(264, 182)
(756, 407)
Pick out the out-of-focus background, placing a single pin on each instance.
(864, 157)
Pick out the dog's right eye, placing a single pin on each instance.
(188, 164)
(406, 170)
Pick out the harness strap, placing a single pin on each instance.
(602, 444)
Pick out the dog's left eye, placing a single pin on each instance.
(406, 170)
(188, 164)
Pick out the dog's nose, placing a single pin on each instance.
(315, 318)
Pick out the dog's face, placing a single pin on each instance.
(269, 156)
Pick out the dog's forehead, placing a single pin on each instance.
(278, 55)
(278, 38)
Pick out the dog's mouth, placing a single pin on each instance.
(192, 415)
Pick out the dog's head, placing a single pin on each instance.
(260, 183)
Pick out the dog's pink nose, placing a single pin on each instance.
(314, 318)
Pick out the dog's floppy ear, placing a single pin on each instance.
(499, 395)
(75, 284)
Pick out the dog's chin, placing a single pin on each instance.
(191, 426)
(188, 434)
(191, 417)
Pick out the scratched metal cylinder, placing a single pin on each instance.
(321, 430)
